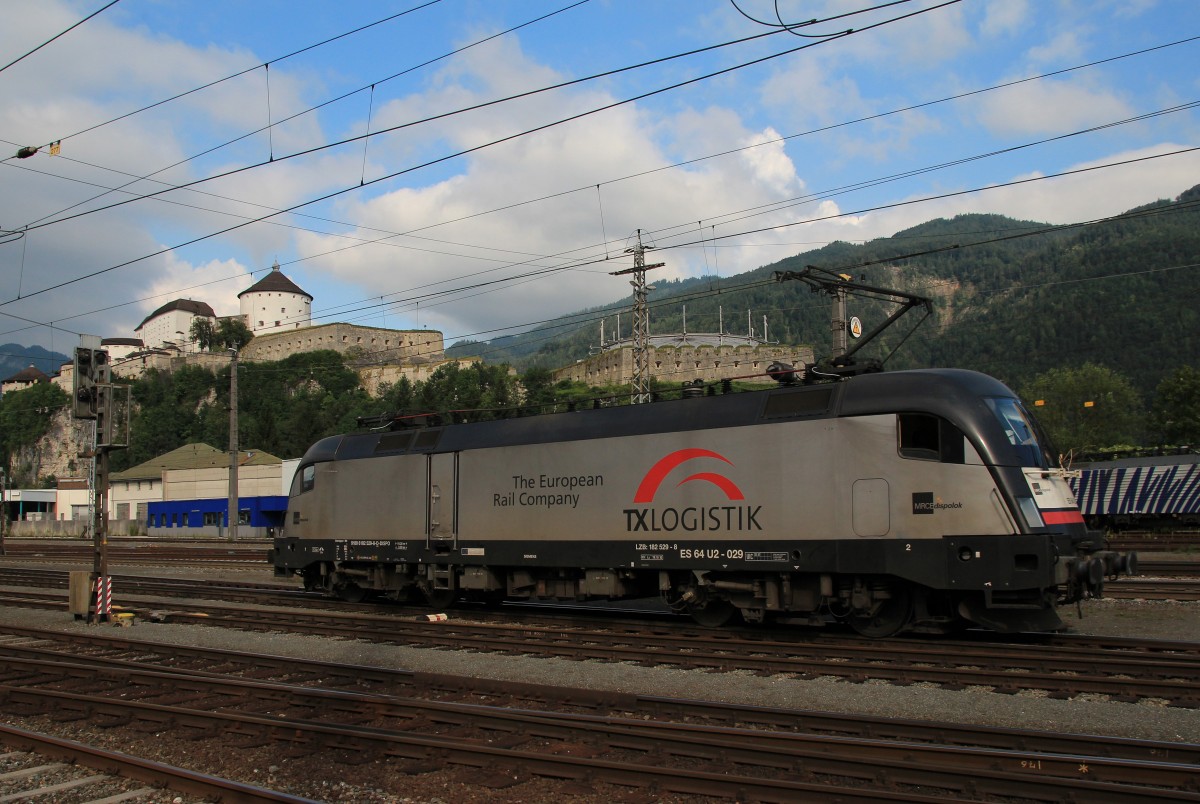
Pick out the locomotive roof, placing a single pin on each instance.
(1143, 460)
(954, 394)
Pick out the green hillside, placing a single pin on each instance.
(1011, 298)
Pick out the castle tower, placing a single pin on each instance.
(275, 304)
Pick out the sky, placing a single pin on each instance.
(517, 148)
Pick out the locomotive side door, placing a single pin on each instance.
(441, 510)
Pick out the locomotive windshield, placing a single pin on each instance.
(1023, 432)
(303, 480)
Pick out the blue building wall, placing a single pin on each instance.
(264, 512)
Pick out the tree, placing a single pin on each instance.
(397, 396)
(203, 333)
(1175, 414)
(229, 333)
(478, 391)
(232, 333)
(1087, 408)
(168, 412)
(539, 387)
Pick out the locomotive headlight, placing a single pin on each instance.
(1029, 508)
(965, 554)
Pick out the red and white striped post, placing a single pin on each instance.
(103, 598)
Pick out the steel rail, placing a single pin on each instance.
(298, 671)
(1178, 569)
(147, 771)
(1124, 676)
(1158, 589)
(782, 751)
(1047, 777)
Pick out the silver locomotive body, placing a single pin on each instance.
(910, 500)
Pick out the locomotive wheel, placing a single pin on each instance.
(891, 618)
(714, 614)
(440, 598)
(351, 593)
(493, 597)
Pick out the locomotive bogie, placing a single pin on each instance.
(890, 502)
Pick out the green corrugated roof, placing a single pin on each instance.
(192, 456)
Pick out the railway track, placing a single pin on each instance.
(1151, 542)
(1170, 569)
(139, 553)
(382, 726)
(1054, 666)
(1153, 589)
(36, 766)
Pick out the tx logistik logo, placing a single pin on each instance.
(693, 518)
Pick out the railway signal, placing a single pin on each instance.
(91, 373)
(95, 398)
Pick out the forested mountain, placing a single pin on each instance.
(14, 357)
(1011, 298)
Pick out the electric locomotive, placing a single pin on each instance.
(1160, 492)
(912, 500)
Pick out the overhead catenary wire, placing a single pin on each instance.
(778, 205)
(598, 260)
(1021, 232)
(754, 145)
(576, 321)
(724, 153)
(822, 129)
(59, 34)
(791, 27)
(275, 60)
(463, 152)
(485, 104)
(893, 258)
(714, 245)
(291, 117)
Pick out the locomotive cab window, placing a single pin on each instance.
(1022, 432)
(304, 480)
(928, 438)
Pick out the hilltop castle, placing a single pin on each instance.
(279, 314)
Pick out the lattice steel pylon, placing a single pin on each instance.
(641, 319)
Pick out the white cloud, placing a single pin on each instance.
(1065, 48)
(1004, 17)
(1130, 9)
(103, 71)
(812, 94)
(770, 165)
(1078, 197)
(1049, 107)
(619, 142)
(216, 282)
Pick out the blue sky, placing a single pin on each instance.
(536, 216)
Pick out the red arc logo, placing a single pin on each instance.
(658, 473)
